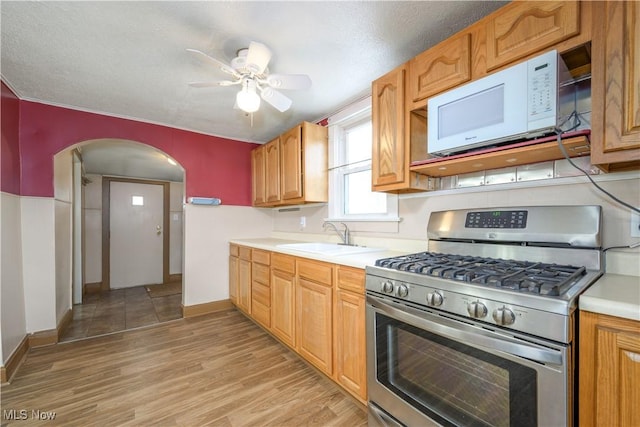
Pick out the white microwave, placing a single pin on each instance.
(518, 102)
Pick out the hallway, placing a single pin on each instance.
(119, 310)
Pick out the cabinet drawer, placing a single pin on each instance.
(283, 262)
(261, 294)
(319, 272)
(244, 253)
(233, 250)
(261, 257)
(260, 273)
(351, 279)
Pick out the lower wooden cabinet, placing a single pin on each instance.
(261, 287)
(244, 285)
(350, 345)
(315, 324)
(609, 371)
(315, 308)
(233, 274)
(283, 302)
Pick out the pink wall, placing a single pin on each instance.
(10, 148)
(214, 167)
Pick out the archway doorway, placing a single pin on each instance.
(107, 306)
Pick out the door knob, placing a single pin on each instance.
(158, 230)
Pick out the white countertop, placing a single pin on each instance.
(357, 260)
(614, 295)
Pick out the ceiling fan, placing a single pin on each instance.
(249, 70)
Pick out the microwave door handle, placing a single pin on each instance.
(467, 334)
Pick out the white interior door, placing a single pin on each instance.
(136, 219)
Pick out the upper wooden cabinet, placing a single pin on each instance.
(596, 38)
(440, 68)
(258, 175)
(295, 166)
(391, 153)
(522, 28)
(388, 163)
(272, 172)
(615, 86)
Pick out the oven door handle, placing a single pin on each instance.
(467, 334)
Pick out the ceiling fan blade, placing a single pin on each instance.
(279, 101)
(219, 64)
(214, 83)
(289, 81)
(258, 57)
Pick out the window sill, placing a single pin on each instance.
(363, 219)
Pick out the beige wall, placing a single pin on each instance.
(208, 230)
(13, 325)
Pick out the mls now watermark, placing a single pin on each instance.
(24, 414)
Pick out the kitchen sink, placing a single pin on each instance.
(327, 248)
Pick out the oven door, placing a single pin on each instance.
(425, 368)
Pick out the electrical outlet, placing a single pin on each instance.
(303, 222)
(635, 225)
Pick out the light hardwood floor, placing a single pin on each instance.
(219, 369)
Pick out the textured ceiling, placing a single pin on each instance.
(129, 59)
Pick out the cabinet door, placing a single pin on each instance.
(609, 371)
(244, 285)
(272, 171)
(314, 334)
(233, 279)
(283, 322)
(615, 81)
(258, 176)
(351, 358)
(291, 164)
(440, 68)
(523, 28)
(389, 164)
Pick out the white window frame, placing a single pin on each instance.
(338, 124)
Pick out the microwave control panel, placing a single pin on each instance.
(543, 81)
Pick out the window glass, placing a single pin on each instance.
(351, 142)
(359, 199)
(358, 142)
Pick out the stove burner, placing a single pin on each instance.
(520, 276)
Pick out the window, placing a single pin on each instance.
(350, 142)
(137, 201)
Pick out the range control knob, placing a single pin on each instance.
(477, 310)
(387, 287)
(434, 299)
(504, 316)
(403, 291)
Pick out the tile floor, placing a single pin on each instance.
(119, 310)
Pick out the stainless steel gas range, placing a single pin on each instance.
(480, 330)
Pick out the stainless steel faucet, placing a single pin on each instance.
(344, 235)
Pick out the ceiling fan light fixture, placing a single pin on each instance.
(247, 98)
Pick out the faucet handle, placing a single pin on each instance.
(347, 234)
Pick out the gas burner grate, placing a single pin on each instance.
(520, 276)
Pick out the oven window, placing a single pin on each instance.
(452, 382)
